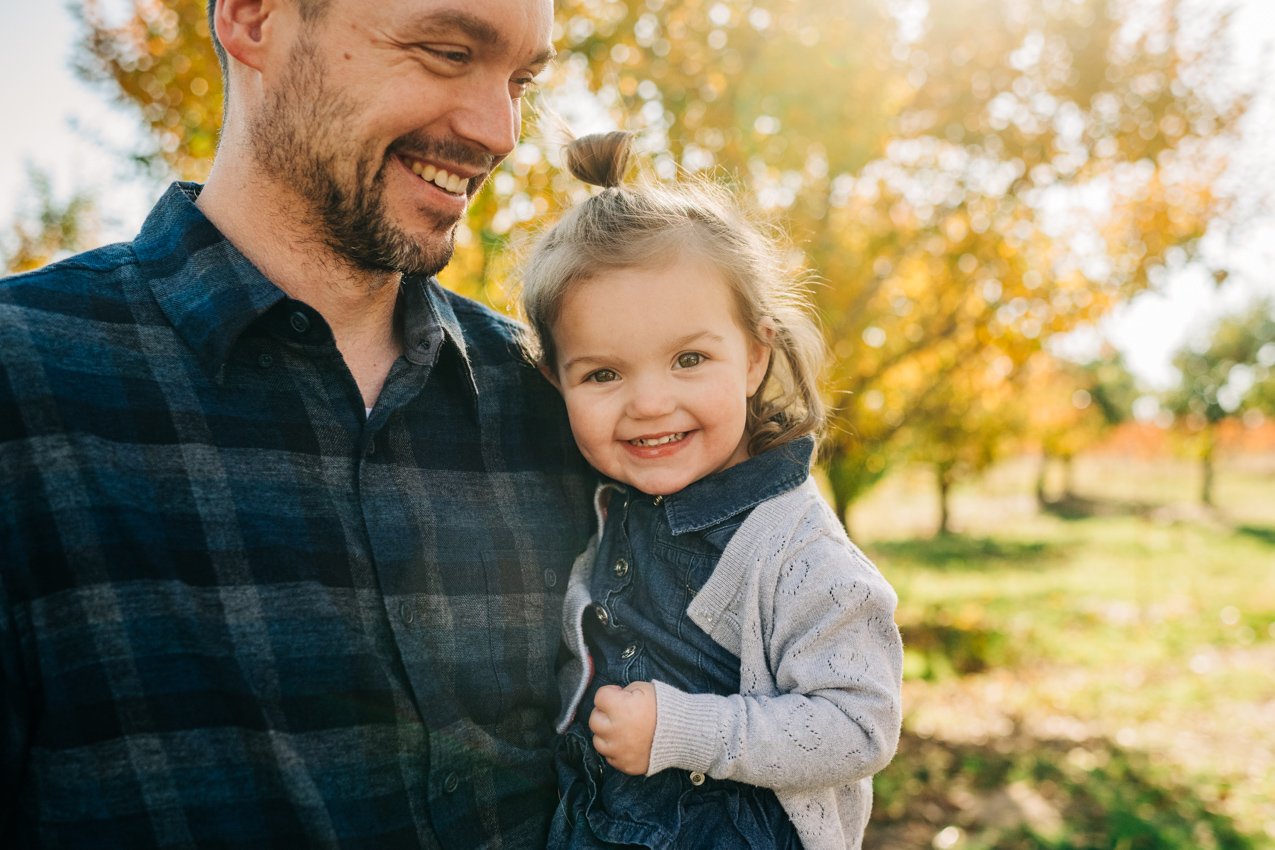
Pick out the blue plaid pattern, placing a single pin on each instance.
(236, 613)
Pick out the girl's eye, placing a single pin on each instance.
(688, 359)
(602, 376)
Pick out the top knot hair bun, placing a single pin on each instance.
(600, 159)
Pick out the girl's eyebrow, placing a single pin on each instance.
(586, 360)
(682, 342)
(477, 29)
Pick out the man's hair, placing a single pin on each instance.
(311, 11)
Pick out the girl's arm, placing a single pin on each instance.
(837, 661)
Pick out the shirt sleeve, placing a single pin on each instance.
(836, 658)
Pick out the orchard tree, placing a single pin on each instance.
(47, 228)
(966, 425)
(967, 178)
(1222, 376)
(1071, 406)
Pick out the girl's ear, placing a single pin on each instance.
(760, 346)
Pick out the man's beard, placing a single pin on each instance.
(299, 136)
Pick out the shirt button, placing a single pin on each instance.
(601, 614)
(658, 500)
(300, 321)
(621, 567)
(629, 651)
(451, 783)
(265, 361)
(551, 578)
(370, 449)
(406, 611)
(697, 778)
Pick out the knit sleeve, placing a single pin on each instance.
(836, 660)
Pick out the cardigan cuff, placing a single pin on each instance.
(686, 730)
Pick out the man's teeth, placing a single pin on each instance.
(441, 178)
(659, 441)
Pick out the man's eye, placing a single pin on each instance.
(602, 376)
(688, 359)
(447, 54)
(521, 85)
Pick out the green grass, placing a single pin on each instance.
(1082, 682)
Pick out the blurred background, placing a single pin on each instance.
(1043, 237)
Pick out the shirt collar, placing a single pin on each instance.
(722, 495)
(211, 293)
(206, 288)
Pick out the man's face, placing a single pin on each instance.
(390, 114)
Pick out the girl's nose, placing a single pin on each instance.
(650, 398)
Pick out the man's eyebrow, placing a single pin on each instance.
(475, 28)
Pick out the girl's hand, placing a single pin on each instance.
(623, 726)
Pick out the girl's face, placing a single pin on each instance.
(656, 373)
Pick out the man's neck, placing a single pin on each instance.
(268, 224)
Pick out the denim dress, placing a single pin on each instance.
(654, 555)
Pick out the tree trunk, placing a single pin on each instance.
(1069, 478)
(1041, 475)
(1206, 468)
(944, 477)
(841, 505)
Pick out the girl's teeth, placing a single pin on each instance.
(659, 441)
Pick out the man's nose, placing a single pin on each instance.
(489, 117)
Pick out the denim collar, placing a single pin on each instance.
(720, 496)
(211, 293)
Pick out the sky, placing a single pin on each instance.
(70, 130)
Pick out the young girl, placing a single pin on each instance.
(736, 670)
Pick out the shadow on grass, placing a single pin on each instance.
(1071, 506)
(959, 552)
(937, 648)
(1263, 534)
(1023, 793)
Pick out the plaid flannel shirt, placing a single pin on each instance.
(237, 612)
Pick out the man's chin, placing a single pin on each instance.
(428, 255)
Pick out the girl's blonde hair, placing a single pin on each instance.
(649, 224)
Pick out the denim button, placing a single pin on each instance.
(658, 500)
(300, 321)
(406, 612)
(697, 778)
(629, 651)
(621, 567)
(601, 614)
(451, 783)
(551, 578)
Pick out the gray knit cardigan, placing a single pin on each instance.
(819, 707)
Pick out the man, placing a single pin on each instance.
(284, 526)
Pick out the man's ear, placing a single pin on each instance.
(761, 346)
(550, 375)
(243, 28)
